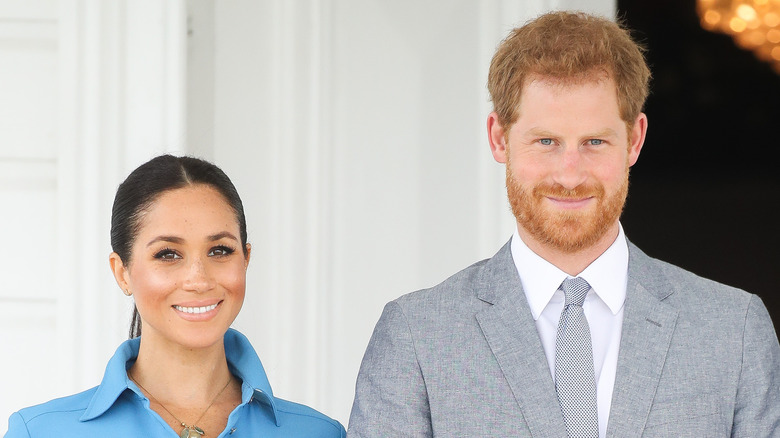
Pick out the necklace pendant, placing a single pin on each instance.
(192, 432)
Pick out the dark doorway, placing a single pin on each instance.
(704, 193)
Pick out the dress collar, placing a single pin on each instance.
(242, 361)
(607, 275)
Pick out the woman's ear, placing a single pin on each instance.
(121, 275)
(248, 253)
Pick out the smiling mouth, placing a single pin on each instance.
(570, 201)
(202, 309)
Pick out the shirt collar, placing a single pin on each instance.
(242, 360)
(607, 275)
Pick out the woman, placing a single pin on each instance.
(178, 234)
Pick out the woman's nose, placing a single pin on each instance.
(198, 277)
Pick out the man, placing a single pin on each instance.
(570, 330)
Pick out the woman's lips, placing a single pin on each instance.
(202, 309)
(197, 312)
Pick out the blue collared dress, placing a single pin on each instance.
(117, 407)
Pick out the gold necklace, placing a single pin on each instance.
(192, 431)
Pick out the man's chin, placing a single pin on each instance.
(572, 244)
(568, 235)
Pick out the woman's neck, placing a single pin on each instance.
(178, 375)
(190, 388)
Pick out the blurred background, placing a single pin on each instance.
(705, 190)
(355, 132)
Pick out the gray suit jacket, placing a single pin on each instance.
(697, 359)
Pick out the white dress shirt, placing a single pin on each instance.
(603, 306)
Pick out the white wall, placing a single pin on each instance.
(354, 130)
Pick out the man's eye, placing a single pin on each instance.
(546, 141)
(595, 142)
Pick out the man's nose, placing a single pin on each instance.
(570, 172)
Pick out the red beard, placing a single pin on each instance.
(566, 231)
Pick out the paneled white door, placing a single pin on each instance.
(88, 90)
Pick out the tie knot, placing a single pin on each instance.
(575, 290)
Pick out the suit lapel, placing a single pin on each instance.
(648, 325)
(511, 333)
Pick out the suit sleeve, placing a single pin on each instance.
(757, 411)
(390, 395)
(17, 427)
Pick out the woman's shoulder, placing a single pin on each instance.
(51, 415)
(307, 421)
(288, 419)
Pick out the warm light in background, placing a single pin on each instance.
(754, 25)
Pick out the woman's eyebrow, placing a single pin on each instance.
(171, 239)
(221, 235)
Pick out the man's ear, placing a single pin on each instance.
(637, 139)
(120, 272)
(497, 138)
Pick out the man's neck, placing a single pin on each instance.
(572, 263)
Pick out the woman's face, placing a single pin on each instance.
(187, 271)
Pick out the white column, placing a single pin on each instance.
(122, 101)
(272, 137)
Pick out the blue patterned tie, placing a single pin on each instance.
(575, 380)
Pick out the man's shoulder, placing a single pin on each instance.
(681, 285)
(459, 287)
(466, 292)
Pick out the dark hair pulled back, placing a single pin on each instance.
(144, 185)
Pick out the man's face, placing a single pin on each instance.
(567, 157)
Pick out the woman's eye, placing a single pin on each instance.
(167, 254)
(220, 251)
